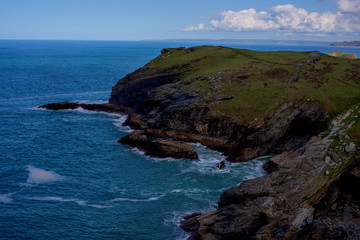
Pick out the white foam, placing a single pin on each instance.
(59, 199)
(38, 175)
(208, 161)
(119, 120)
(74, 200)
(5, 198)
(138, 200)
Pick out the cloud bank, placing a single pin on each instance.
(288, 19)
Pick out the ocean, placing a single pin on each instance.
(63, 174)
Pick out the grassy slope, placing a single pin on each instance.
(259, 82)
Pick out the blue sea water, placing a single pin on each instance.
(63, 174)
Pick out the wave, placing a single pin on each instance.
(38, 175)
(74, 200)
(119, 121)
(138, 200)
(6, 198)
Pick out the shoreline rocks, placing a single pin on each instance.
(304, 196)
(159, 148)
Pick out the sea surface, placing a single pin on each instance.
(64, 176)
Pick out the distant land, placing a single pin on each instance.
(346, 43)
(258, 41)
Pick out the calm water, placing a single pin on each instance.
(63, 174)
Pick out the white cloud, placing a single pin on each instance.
(291, 18)
(349, 6)
(244, 20)
(288, 19)
(200, 27)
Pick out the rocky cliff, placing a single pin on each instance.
(243, 103)
(311, 193)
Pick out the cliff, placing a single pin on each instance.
(346, 43)
(241, 102)
(311, 193)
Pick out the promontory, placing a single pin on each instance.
(302, 107)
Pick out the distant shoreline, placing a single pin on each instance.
(347, 44)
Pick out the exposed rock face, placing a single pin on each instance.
(165, 100)
(292, 202)
(159, 148)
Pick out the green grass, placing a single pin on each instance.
(260, 81)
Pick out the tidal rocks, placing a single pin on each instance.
(104, 107)
(159, 148)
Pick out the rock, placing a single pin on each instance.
(159, 148)
(270, 166)
(221, 165)
(170, 148)
(189, 222)
(104, 107)
(350, 147)
(135, 139)
(60, 106)
(292, 202)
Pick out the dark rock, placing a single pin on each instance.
(104, 107)
(298, 201)
(135, 139)
(60, 106)
(170, 148)
(221, 165)
(270, 167)
(159, 148)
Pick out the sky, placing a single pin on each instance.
(322, 20)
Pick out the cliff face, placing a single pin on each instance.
(310, 195)
(249, 103)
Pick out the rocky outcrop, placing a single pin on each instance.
(159, 148)
(342, 55)
(293, 201)
(169, 94)
(104, 107)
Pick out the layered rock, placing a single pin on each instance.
(293, 201)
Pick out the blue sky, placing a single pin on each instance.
(166, 19)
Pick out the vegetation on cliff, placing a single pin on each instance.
(245, 97)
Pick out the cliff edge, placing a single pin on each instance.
(241, 102)
(312, 193)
